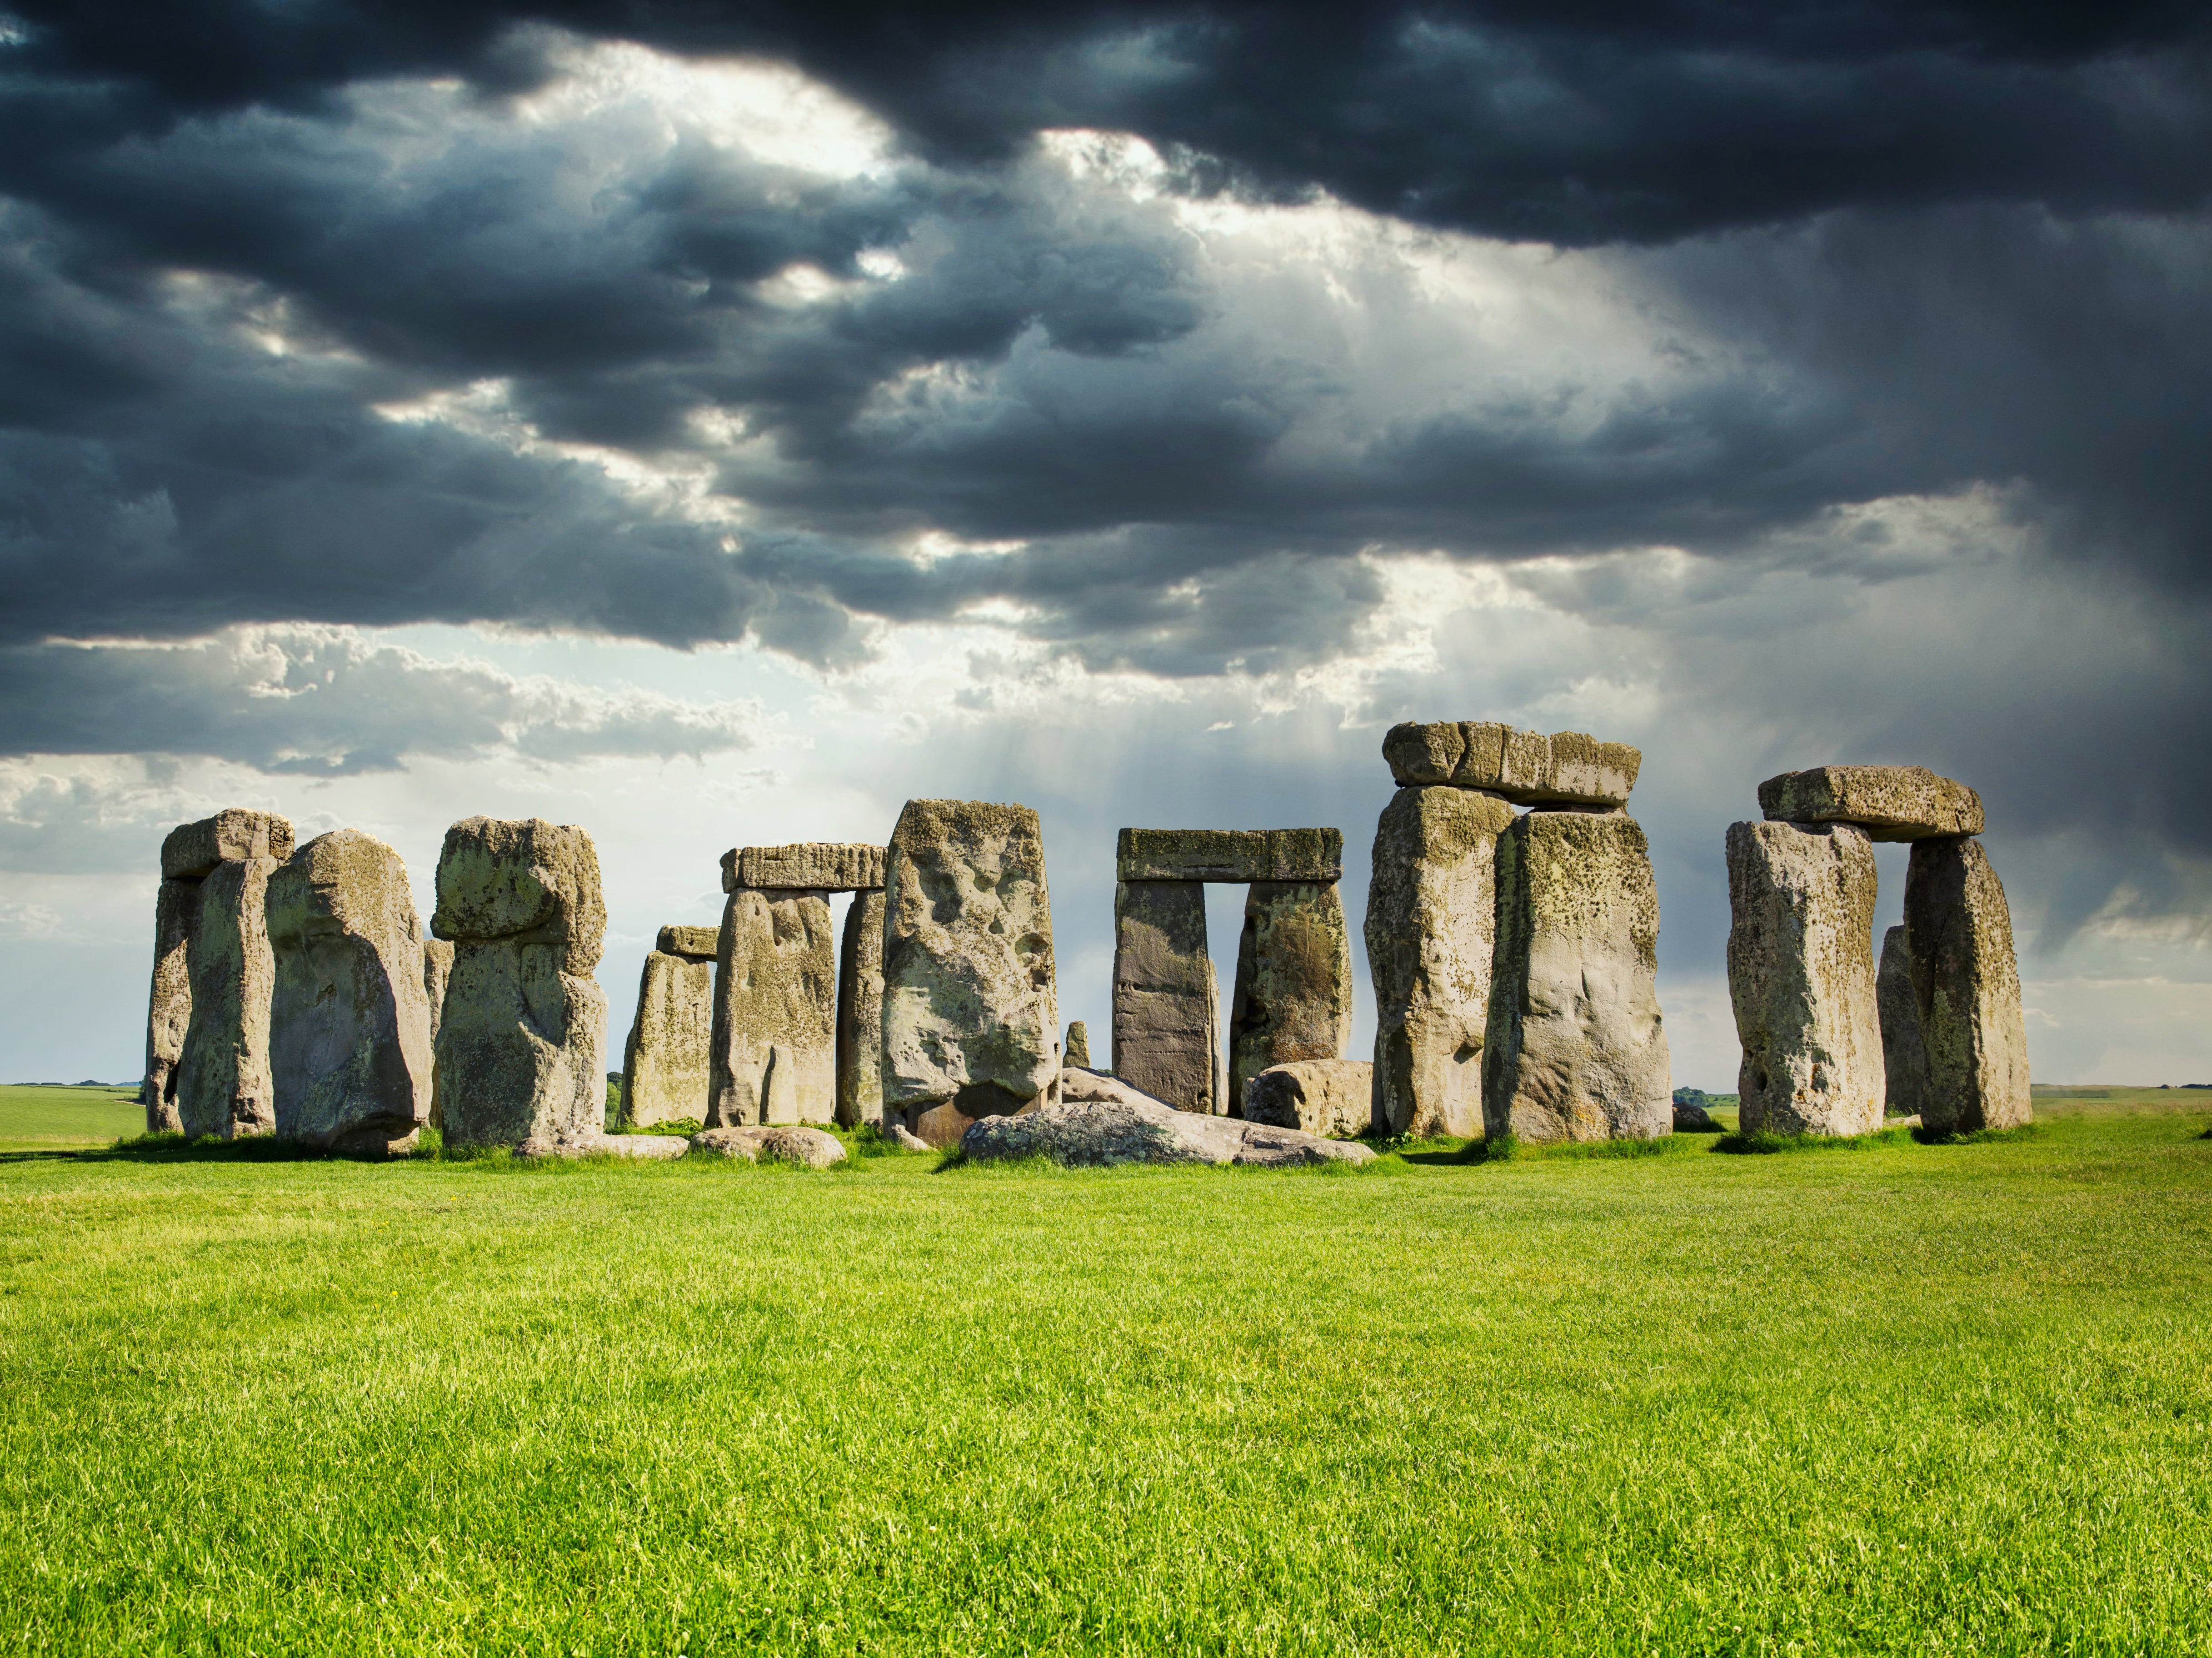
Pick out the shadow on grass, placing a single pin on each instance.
(1759, 1143)
(2026, 1131)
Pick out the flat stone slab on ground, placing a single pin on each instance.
(810, 1148)
(1232, 856)
(1101, 1121)
(1890, 802)
(694, 944)
(654, 1148)
(805, 866)
(1334, 1098)
(1526, 768)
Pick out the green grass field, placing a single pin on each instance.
(1898, 1398)
(40, 1118)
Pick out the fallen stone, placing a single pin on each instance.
(223, 1084)
(520, 1056)
(1234, 856)
(971, 1009)
(773, 1049)
(1566, 767)
(169, 1002)
(1334, 1098)
(1576, 1048)
(1431, 921)
(1691, 1119)
(1966, 983)
(1890, 802)
(807, 867)
(860, 1013)
(349, 1020)
(234, 835)
(694, 944)
(1101, 1126)
(1905, 1060)
(1293, 990)
(1076, 1050)
(810, 1148)
(1167, 1002)
(908, 1142)
(653, 1148)
(667, 1071)
(1801, 977)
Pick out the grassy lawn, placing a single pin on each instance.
(37, 1117)
(1901, 1398)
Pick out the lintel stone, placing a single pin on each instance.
(1241, 856)
(804, 866)
(1526, 768)
(694, 944)
(1890, 802)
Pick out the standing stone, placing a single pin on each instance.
(1575, 1049)
(521, 1048)
(1431, 913)
(775, 1032)
(1801, 977)
(1076, 1050)
(970, 1003)
(1293, 995)
(169, 1004)
(860, 1013)
(1167, 1002)
(1966, 983)
(1904, 1059)
(667, 1075)
(437, 968)
(350, 1021)
(223, 1084)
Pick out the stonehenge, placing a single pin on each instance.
(1575, 1047)
(349, 1020)
(970, 1000)
(520, 1054)
(860, 1011)
(219, 1083)
(1293, 997)
(666, 1068)
(1815, 1015)
(1801, 978)
(773, 1039)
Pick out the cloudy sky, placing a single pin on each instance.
(713, 424)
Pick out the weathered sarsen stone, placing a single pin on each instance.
(169, 1002)
(860, 1013)
(223, 1084)
(1102, 1120)
(1890, 802)
(1293, 991)
(1076, 1050)
(805, 866)
(437, 968)
(1332, 1097)
(1431, 917)
(521, 1047)
(349, 1023)
(1566, 767)
(667, 1072)
(1235, 856)
(1958, 930)
(971, 1011)
(774, 1048)
(1801, 977)
(1575, 1049)
(232, 835)
(1167, 1002)
(1904, 1060)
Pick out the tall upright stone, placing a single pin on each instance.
(667, 1069)
(1904, 1059)
(521, 1047)
(1167, 1002)
(223, 1083)
(775, 1043)
(1802, 979)
(1293, 991)
(169, 1002)
(1076, 1050)
(971, 1011)
(1431, 912)
(437, 968)
(1965, 982)
(349, 1022)
(860, 1013)
(1576, 1048)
